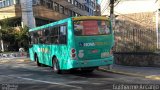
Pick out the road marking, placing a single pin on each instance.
(48, 82)
(156, 77)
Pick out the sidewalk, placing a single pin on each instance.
(146, 72)
(13, 55)
(14, 60)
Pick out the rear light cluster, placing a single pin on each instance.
(73, 53)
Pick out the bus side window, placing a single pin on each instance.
(40, 35)
(31, 41)
(35, 38)
(54, 35)
(46, 36)
(63, 34)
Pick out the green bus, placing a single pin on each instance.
(82, 43)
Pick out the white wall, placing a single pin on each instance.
(130, 6)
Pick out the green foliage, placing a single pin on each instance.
(22, 37)
(6, 31)
(16, 37)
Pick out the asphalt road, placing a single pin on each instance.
(27, 76)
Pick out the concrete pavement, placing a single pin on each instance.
(13, 55)
(146, 72)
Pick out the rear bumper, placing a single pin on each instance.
(91, 63)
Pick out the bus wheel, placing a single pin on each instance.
(37, 61)
(55, 65)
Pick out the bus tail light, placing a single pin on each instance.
(73, 53)
(73, 50)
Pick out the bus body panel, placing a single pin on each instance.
(91, 51)
(45, 53)
(93, 46)
(90, 63)
(31, 53)
(90, 59)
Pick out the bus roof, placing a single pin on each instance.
(73, 18)
(90, 18)
(50, 24)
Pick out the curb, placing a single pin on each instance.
(154, 77)
(24, 60)
(17, 60)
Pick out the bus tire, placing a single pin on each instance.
(55, 66)
(37, 61)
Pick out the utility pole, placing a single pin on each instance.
(1, 41)
(112, 12)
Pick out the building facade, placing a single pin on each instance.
(39, 12)
(32, 13)
(137, 24)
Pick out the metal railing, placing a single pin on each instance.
(135, 40)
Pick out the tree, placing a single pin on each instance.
(6, 32)
(22, 37)
(16, 37)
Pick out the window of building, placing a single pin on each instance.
(72, 1)
(70, 13)
(89, 1)
(10, 2)
(79, 6)
(86, 8)
(92, 4)
(0, 4)
(4, 3)
(49, 5)
(17, 1)
(42, 2)
(61, 9)
(69, 1)
(73, 13)
(7, 3)
(56, 7)
(76, 3)
(66, 11)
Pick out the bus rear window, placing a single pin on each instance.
(91, 27)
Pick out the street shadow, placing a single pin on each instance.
(94, 74)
